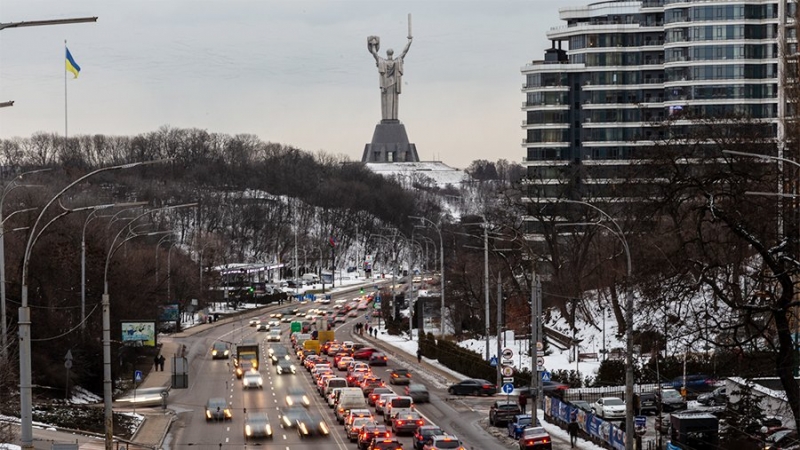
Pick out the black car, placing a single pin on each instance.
(290, 415)
(257, 425)
(278, 352)
(502, 411)
(671, 400)
(472, 386)
(400, 376)
(718, 396)
(309, 424)
(645, 402)
(217, 409)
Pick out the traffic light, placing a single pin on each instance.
(362, 291)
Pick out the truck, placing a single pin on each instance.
(248, 350)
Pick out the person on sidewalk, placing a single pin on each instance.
(161, 360)
(155, 363)
(523, 402)
(419, 356)
(572, 429)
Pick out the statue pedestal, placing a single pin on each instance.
(390, 144)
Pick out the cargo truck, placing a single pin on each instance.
(248, 350)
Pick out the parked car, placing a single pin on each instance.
(257, 425)
(718, 396)
(418, 392)
(400, 376)
(424, 434)
(582, 405)
(609, 408)
(644, 403)
(502, 411)
(535, 438)
(472, 386)
(217, 409)
(671, 400)
(518, 424)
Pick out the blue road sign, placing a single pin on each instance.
(640, 421)
(493, 361)
(545, 376)
(508, 388)
(377, 299)
(137, 376)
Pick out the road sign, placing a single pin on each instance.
(540, 361)
(640, 425)
(545, 376)
(68, 359)
(508, 380)
(137, 376)
(508, 388)
(539, 346)
(507, 371)
(508, 353)
(493, 361)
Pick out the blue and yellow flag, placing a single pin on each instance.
(72, 66)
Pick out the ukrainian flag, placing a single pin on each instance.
(72, 66)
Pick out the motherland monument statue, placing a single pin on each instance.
(389, 141)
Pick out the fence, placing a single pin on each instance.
(592, 427)
(594, 393)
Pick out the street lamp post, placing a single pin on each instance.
(441, 257)
(25, 382)
(629, 305)
(3, 318)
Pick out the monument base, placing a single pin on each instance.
(390, 144)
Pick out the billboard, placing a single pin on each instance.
(169, 313)
(143, 332)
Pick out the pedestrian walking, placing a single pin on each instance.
(523, 402)
(375, 332)
(155, 363)
(572, 428)
(161, 360)
(419, 356)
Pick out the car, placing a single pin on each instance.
(417, 392)
(262, 327)
(343, 362)
(442, 442)
(286, 319)
(518, 424)
(502, 411)
(553, 388)
(364, 353)
(407, 422)
(718, 396)
(309, 424)
(370, 432)
(257, 425)
(609, 408)
(274, 335)
(376, 393)
(297, 396)
(285, 367)
(220, 350)
(277, 352)
(378, 359)
(695, 384)
(386, 444)
(380, 404)
(274, 323)
(244, 367)
(472, 386)
(217, 409)
(289, 415)
(368, 384)
(782, 439)
(645, 402)
(400, 376)
(535, 438)
(254, 322)
(424, 434)
(353, 429)
(252, 380)
(671, 400)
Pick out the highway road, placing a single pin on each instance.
(214, 378)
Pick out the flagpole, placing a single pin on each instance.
(65, 99)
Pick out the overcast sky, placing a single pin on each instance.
(296, 72)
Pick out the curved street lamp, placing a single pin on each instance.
(25, 383)
(617, 231)
(441, 256)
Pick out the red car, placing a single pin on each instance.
(364, 353)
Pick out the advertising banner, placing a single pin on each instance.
(144, 332)
(169, 313)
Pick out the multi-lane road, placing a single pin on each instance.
(214, 378)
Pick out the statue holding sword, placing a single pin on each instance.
(390, 71)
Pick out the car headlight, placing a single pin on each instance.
(227, 352)
(286, 421)
(260, 382)
(208, 414)
(306, 401)
(269, 429)
(213, 353)
(280, 370)
(227, 413)
(324, 428)
(247, 430)
(303, 428)
(289, 400)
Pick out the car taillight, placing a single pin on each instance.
(419, 422)
(487, 386)
(399, 422)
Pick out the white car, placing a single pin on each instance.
(252, 380)
(609, 408)
(274, 335)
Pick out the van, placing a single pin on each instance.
(312, 277)
(347, 391)
(348, 402)
(336, 382)
(400, 402)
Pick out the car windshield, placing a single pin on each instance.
(219, 346)
(447, 444)
(613, 402)
(671, 395)
(534, 431)
(417, 388)
(524, 421)
(258, 418)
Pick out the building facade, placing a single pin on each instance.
(618, 69)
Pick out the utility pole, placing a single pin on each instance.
(499, 327)
(486, 284)
(534, 349)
